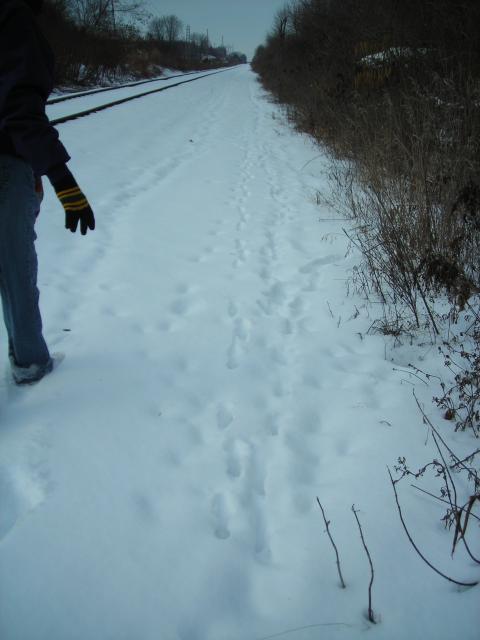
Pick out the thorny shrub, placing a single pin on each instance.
(461, 401)
(459, 512)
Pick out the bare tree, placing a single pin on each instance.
(173, 27)
(281, 23)
(91, 14)
(103, 15)
(156, 29)
(200, 40)
(166, 29)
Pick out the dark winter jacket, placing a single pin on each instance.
(26, 80)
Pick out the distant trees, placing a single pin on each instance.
(200, 42)
(104, 15)
(166, 29)
(166, 33)
(99, 40)
(237, 58)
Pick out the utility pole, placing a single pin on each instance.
(112, 9)
(188, 37)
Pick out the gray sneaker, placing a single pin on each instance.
(31, 374)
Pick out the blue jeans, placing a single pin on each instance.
(28, 351)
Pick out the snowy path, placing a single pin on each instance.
(161, 484)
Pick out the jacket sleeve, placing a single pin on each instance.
(25, 81)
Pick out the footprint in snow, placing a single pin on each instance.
(180, 307)
(272, 424)
(224, 416)
(220, 516)
(241, 335)
(145, 507)
(234, 354)
(244, 461)
(19, 494)
(273, 298)
(233, 458)
(232, 309)
(314, 265)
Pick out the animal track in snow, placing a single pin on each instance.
(240, 338)
(145, 507)
(180, 307)
(242, 460)
(315, 265)
(274, 297)
(272, 424)
(21, 491)
(225, 416)
(234, 353)
(220, 516)
(247, 472)
(286, 327)
(240, 254)
(234, 455)
(305, 463)
(186, 303)
(297, 306)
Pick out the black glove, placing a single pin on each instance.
(74, 202)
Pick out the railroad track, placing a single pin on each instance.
(108, 105)
(90, 92)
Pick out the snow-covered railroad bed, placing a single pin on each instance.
(67, 107)
(72, 95)
(161, 484)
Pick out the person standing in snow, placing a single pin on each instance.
(29, 149)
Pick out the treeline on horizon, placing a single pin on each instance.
(100, 41)
(392, 89)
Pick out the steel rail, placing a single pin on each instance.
(89, 92)
(108, 105)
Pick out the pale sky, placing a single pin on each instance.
(242, 23)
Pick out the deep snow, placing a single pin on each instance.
(162, 482)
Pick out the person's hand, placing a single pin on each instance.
(73, 200)
(77, 210)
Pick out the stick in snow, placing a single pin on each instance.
(327, 525)
(371, 617)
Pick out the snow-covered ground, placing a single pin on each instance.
(161, 484)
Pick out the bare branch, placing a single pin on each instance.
(462, 584)
(327, 525)
(432, 495)
(371, 617)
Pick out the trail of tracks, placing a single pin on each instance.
(162, 482)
